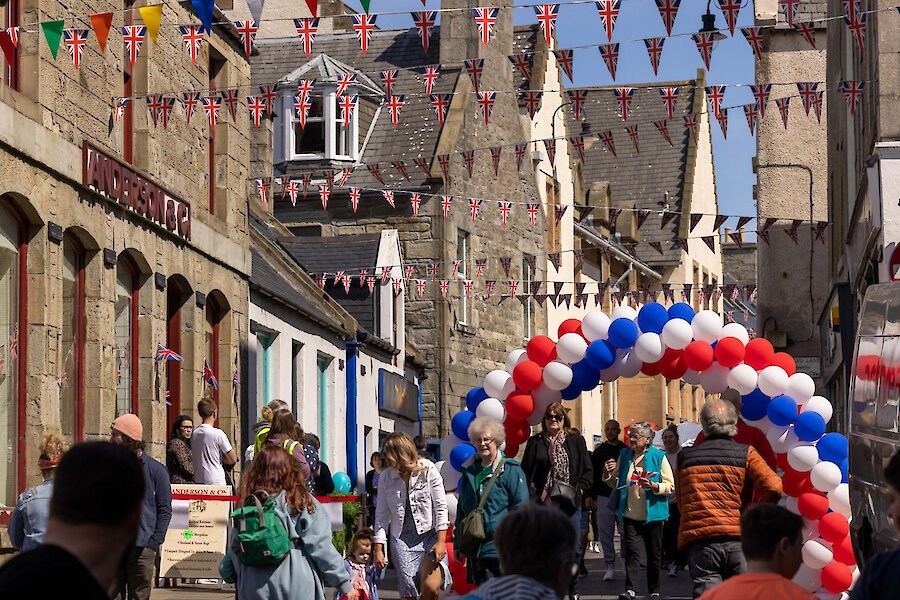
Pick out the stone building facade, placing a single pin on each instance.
(94, 278)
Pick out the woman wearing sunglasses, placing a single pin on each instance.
(558, 470)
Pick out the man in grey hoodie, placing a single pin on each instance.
(536, 547)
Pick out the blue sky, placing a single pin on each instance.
(732, 63)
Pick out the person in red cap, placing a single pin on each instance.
(137, 579)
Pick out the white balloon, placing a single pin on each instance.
(815, 555)
(649, 347)
(452, 501)
(810, 528)
(825, 476)
(801, 388)
(557, 376)
(450, 476)
(610, 374)
(714, 379)
(785, 441)
(491, 407)
(514, 358)
(571, 348)
(773, 381)
(735, 330)
(691, 377)
(499, 384)
(803, 457)
(792, 504)
(628, 363)
(855, 576)
(839, 499)
(808, 578)
(623, 312)
(707, 326)
(595, 325)
(544, 397)
(774, 432)
(742, 378)
(449, 443)
(820, 405)
(677, 333)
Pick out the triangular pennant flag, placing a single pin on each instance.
(440, 103)
(609, 12)
(576, 101)
(355, 194)
(852, 91)
(469, 160)
(520, 155)
(722, 118)
(614, 216)
(667, 217)
(365, 4)
(485, 20)
(559, 211)
(783, 104)
(737, 238)
(532, 210)
(424, 22)
(505, 208)
(486, 101)
(705, 41)
(75, 41)
(761, 97)
(752, 114)
(401, 167)
(857, 22)
(808, 31)
(668, 10)
(474, 67)
(313, 6)
(566, 61)
(420, 162)
(583, 212)
(793, 231)
(133, 36)
(495, 159)
(446, 204)
(754, 37)
(716, 94)
(663, 128)
(522, 62)
(819, 231)
(610, 55)
(9, 48)
(151, 16)
(102, 22)
(306, 30)
(669, 96)
(444, 162)
(394, 104)
(720, 220)
(532, 100)
(546, 17)
(53, 34)
(657, 246)
(642, 215)
(742, 222)
(554, 258)
(550, 146)
(633, 134)
(579, 259)
(607, 138)
(204, 10)
(654, 51)
(730, 8)
(247, 31)
(192, 38)
(364, 26)
(578, 143)
(256, 8)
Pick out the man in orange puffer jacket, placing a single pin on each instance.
(715, 483)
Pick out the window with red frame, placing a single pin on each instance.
(126, 310)
(71, 367)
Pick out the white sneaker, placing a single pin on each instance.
(609, 575)
(673, 571)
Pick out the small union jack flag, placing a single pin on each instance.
(456, 264)
(364, 26)
(654, 51)
(566, 61)
(609, 12)
(370, 283)
(808, 31)
(344, 82)
(302, 106)
(354, 198)
(550, 146)
(401, 167)
(347, 105)
(344, 176)
(346, 279)
(505, 208)
(807, 91)
(577, 99)
(532, 100)
(783, 104)
(133, 36)
(716, 94)
(257, 107)
(789, 9)
(467, 285)
(444, 162)
(293, 189)
(208, 376)
(520, 155)
(190, 101)
(469, 160)
(153, 102)
(119, 109)
(446, 203)
(522, 62)
(532, 210)
(389, 197)
(486, 102)
(752, 115)
(398, 286)
(394, 104)
(474, 67)
(430, 74)
(262, 188)
(165, 110)
(192, 39)
(247, 31)
(75, 40)
(415, 199)
(162, 353)
(633, 134)
(445, 285)
(423, 166)
(578, 143)
(268, 95)
(546, 17)
(495, 159)
(669, 96)
(306, 178)
(761, 96)
(388, 79)
(408, 272)
(857, 21)
(306, 30)
(722, 118)
(212, 106)
(230, 98)
(852, 91)
(610, 55)
(731, 9)
(474, 207)
(663, 128)
(424, 22)
(607, 138)
(668, 10)
(754, 37)
(705, 41)
(324, 194)
(485, 19)
(440, 103)
(421, 284)
(624, 95)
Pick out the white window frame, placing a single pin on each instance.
(527, 308)
(331, 114)
(463, 249)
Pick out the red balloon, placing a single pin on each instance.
(460, 585)
(519, 405)
(795, 483)
(528, 375)
(541, 350)
(834, 527)
(511, 449)
(675, 368)
(569, 326)
(812, 505)
(652, 369)
(516, 431)
(784, 360)
(836, 577)
(729, 352)
(843, 552)
(759, 353)
(698, 356)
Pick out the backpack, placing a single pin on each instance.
(262, 537)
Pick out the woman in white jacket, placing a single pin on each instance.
(412, 507)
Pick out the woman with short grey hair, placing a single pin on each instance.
(497, 481)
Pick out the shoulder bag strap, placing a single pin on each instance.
(490, 485)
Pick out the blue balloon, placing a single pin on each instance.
(809, 426)
(571, 392)
(755, 405)
(845, 470)
(474, 398)
(681, 310)
(782, 411)
(833, 447)
(584, 376)
(600, 354)
(652, 317)
(623, 333)
(460, 454)
(342, 483)
(460, 424)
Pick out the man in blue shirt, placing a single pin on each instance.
(156, 512)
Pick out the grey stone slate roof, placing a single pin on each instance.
(640, 180)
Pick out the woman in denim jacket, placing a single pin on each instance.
(413, 508)
(29, 520)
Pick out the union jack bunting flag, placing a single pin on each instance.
(730, 8)
(819, 231)
(667, 218)
(305, 87)
(609, 12)
(704, 41)
(852, 91)
(444, 162)
(752, 114)
(408, 272)
(576, 101)
(532, 100)
(789, 9)
(346, 281)
(807, 93)
(212, 106)
(306, 31)
(657, 246)
(566, 61)
(162, 353)
(190, 101)
(262, 189)
(285, 181)
(523, 63)
(153, 101)
(614, 214)
(364, 26)
(209, 378)
(485, 19)
(446, 203)
(13, 33)
(783, 104)
(532, 210)
(513, 285)
(329, 177)
(486, 102)
(424, 22)
(506, 263)
(546, 16)
(75, 40)
(642, 216)
(445, 286)
(388, 79)
(663, 128)
(165, 110)
(354, 198)
(415, 199)
(624, 95)
(347, 105)
(430, 74)
(550, 146)
(388, 197)
(505, 208)
(420, 162)
(421, 284)
(584, 212)
(607, 138)
(489, 287)
(370, 283)
(559, 211)
(398, 286)
(610, 55)
(324, 195)
(474, 207)
(754, 37)
(293, 190)
(268, 95)
(192, 39)
(633, 134)
(761, 97)
(722, 118)
(520, 154)
(668, 10)
(715, 93)
(431, 270)
(440, 103)
(133, 36)
(495, 159)
(808, 31)
(554, 258)
(247, 30)
(857, 22)
(669, 96)
(344, 175)
(578, 143)
(375, 170)
(230, 99)
(793, 231)
(344, 82)
(474, 67)
(654, 51)
(401, 167)
(394, 104)
(469, 160)
(456, 265)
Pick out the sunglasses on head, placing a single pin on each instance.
(554, 417)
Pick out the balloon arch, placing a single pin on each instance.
(697, 348)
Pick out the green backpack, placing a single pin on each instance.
(261, 534)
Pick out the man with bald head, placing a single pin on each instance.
(715, 483)
(746, 434)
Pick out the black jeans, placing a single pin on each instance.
(643, 541)
(713, 561)
(482, 569)
(671, 553)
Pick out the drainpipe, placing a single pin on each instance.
(350, 373)
(421, 377)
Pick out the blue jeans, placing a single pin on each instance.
(576, 519)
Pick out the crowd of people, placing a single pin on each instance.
(522, 529)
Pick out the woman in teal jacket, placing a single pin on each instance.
(509, 491)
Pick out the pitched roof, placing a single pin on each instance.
(640, 180)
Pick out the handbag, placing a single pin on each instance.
(470, 533)
(563, 493)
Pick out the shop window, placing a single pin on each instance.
(71, 367)
(127, 311)
(12, 405)
(213, 321)
(324, 136)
